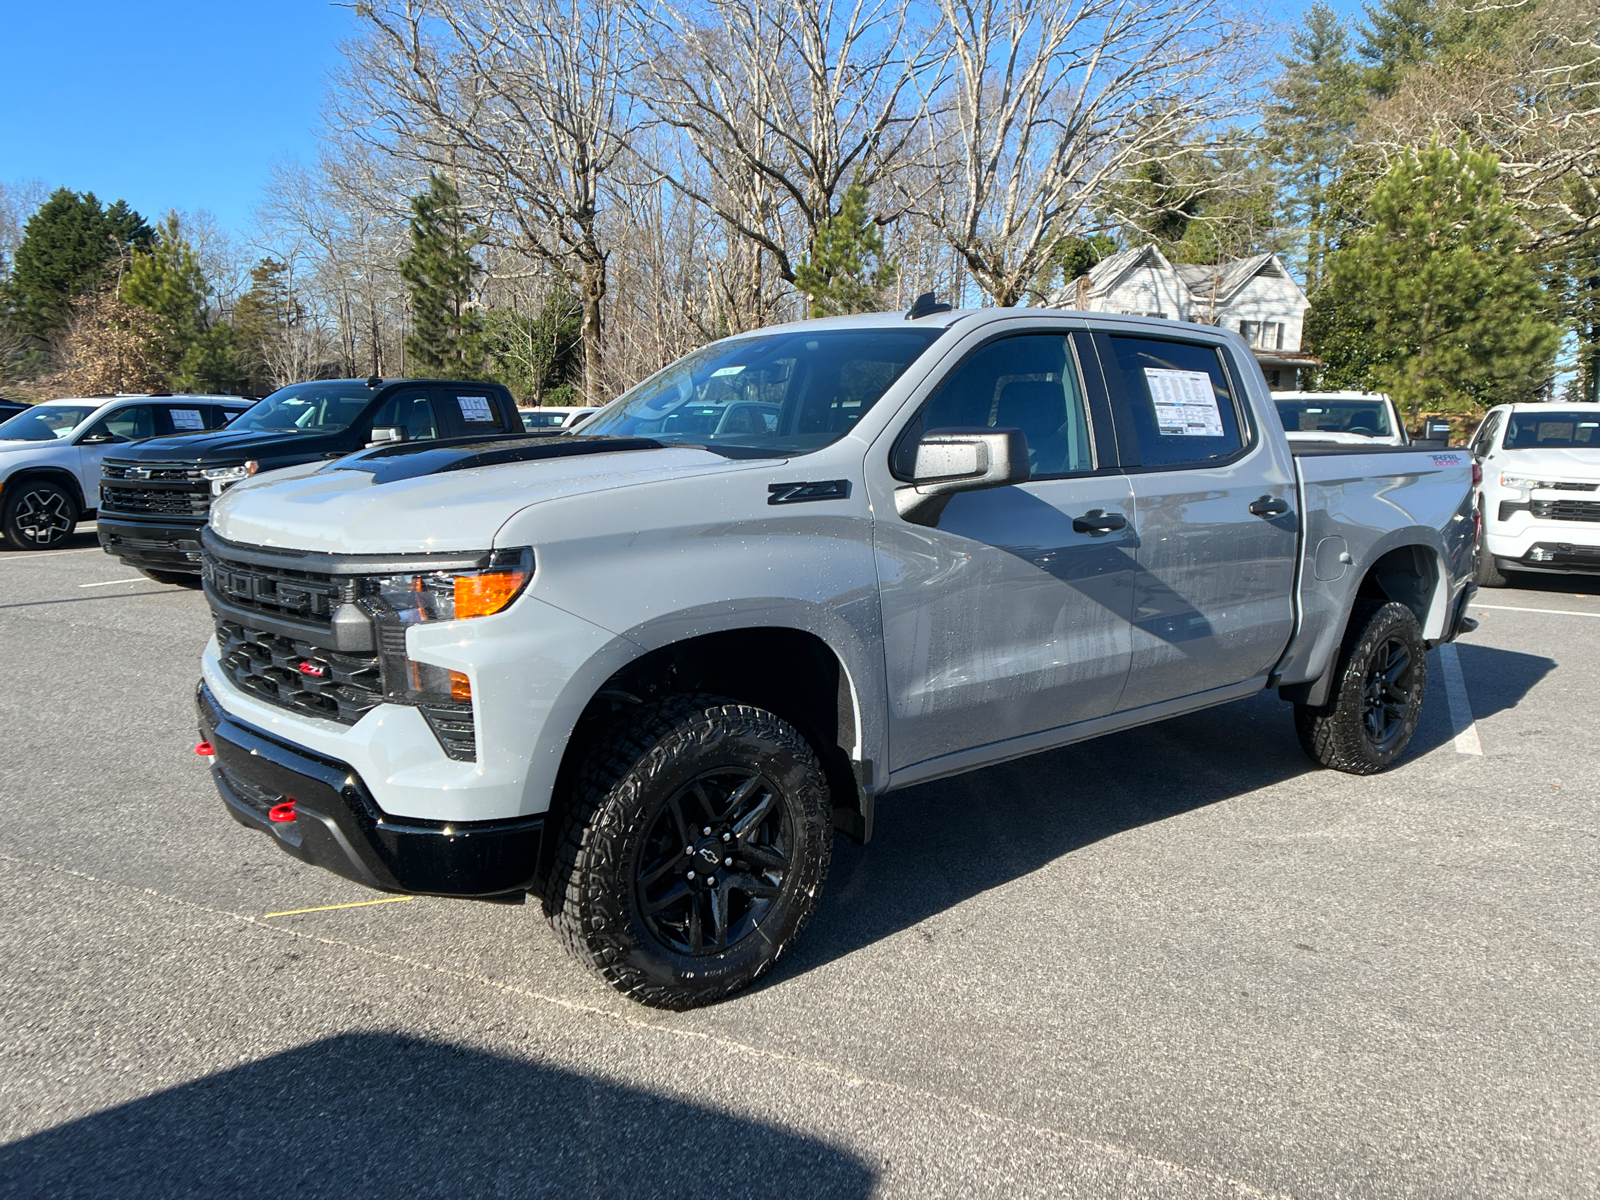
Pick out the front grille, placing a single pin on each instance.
(452, 725)
(1566, 510)
(281, 592)
(297, 675)
(166, 489)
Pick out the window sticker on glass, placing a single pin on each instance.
(186, 418)
(475, 408)
(1186, 404)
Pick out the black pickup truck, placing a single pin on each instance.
(155, 496)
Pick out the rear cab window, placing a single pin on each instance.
(1176, 402)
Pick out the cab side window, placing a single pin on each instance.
(1027, 382)
(411, 411)
(1178, 399)
(1484, 438)
(130, 424)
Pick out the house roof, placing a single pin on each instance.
(1219, 281)
(1108, 272)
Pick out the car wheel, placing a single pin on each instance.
(174, 578)
(1485, 573)
(696, 840)
(1377, 694)
(39, 515)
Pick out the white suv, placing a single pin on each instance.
(50, 455)
(1540, 502)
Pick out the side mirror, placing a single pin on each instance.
(384, 435)
(948, 461)
(97, 439)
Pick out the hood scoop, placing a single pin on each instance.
(414, 460)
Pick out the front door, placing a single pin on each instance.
(1214, 505)
(1009, 615)
(131, 423)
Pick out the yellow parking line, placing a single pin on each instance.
(295, 912)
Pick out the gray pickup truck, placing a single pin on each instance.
(643, 669)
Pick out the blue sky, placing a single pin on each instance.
(164, 103)
(180, 103)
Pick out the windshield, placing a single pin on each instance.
(307, 408)
(1572, 428)
(1368, 418)
(46, 422)
(766, 397)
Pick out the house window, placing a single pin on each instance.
(1264, 335)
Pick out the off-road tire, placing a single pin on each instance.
(1336, 734)
(173, 578)
(625, 783)
(1484, 571)
(38, 514)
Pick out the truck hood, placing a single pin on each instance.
(416, 504)
(1577, 465)
(224, 447)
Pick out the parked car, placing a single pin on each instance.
(1347, 418)
(50, 455)
(538, 419)
(643, 670)
(10, 408)
(157, 496)
(1540, 503)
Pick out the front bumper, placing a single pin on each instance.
(159, 545)
(338, 826)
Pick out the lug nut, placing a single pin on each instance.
(690, 875)
(706, 831)
(688, 851)
(727, 862)
(727, 837)
(711, 881)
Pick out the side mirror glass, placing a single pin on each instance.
(385, 435)
(948, 461)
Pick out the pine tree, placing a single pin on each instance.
(1397, 34)
(68, 246)
(168, 280)
(1456, 310)
(847, 272)
(448, 329)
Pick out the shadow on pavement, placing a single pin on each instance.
(941, 843)
(382, 1115)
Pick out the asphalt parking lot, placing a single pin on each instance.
(1178, 962)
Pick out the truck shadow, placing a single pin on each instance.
(941, 843)
(379, 1115)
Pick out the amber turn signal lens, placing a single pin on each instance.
(460, 687)
(481, 595)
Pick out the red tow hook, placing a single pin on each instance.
(205, 750)
(281, 812)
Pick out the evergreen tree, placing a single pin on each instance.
(847, 271)
(168, 280)
(68, 246)
(1397, 34)
(1310, 125)
(448, 329)
(1457, 312)
(262, 318)
(540, 357)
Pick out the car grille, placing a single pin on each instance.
(280, 592)
(1566, 510)
(297, 675)
(167, 489)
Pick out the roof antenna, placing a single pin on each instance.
(925, 305)
(374, 381)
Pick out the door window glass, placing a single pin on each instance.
(411, 411)
(127, 424)
(475, 412)
(190, 419)
(1178, 397)
(1484, 438)
(1028, 382)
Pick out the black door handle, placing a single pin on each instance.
(1268, 507)
(1098, 520)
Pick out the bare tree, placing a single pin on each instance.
(522, 102)
(1052, 101)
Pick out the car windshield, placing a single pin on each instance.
(765, 396)
(307, 408)
(1567, 429)
(1368, 418)
(45, 422)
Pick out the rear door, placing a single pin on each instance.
(1214, 502)
(465, 410)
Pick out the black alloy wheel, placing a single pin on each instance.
(715, 857)
(1386, 695)
(1376, 694)
(39, 515)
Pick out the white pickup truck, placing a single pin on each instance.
(644, 669)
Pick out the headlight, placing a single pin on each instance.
(399, 601)
(1522, 483)
(222, 478)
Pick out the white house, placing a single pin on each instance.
(1254, 296)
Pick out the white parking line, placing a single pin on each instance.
(1455, 690)
(109, 582)
(39, 555)
(1554, 612)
